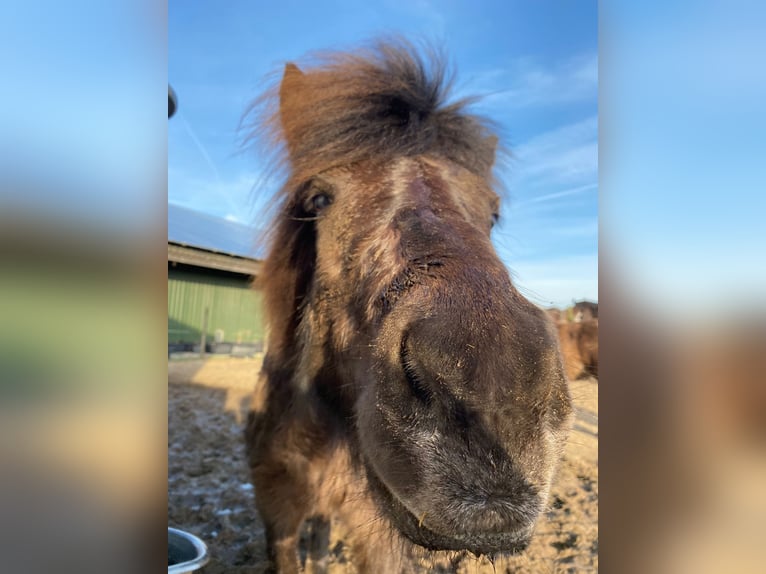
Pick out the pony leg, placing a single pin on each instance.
(282, 536)
(282, 551)
(318, 555)
(282, 500)
(373, 547)
(282, 495)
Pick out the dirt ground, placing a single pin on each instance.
(209, 493)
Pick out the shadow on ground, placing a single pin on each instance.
(210, 495)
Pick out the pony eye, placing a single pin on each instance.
(320, 201)
(495, 219)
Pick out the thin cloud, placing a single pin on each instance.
(557, 195)
(578, 230)
(567, 155)
(532, 84)
(199, 145)
(227, 198)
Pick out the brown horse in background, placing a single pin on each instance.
(408, 391)
(584, 311)
(579, 347)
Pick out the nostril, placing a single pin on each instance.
(415, 379)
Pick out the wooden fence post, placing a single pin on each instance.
(203, 341)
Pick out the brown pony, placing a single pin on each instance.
(408, 391)
(584, 311)
(579, 347)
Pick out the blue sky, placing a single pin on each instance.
(536, 63)
(685, 168)
(82, 125)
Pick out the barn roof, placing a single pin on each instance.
(199, 230)
(212, 260)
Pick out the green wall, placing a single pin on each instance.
(233, 307)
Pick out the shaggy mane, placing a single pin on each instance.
(378, 103)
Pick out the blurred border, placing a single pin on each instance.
(83, 287)
(83, 203)
(683, 327)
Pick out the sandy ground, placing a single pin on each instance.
(209, 493)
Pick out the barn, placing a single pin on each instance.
(212, 263)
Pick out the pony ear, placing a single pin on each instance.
(291, 83)
(289, 92)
